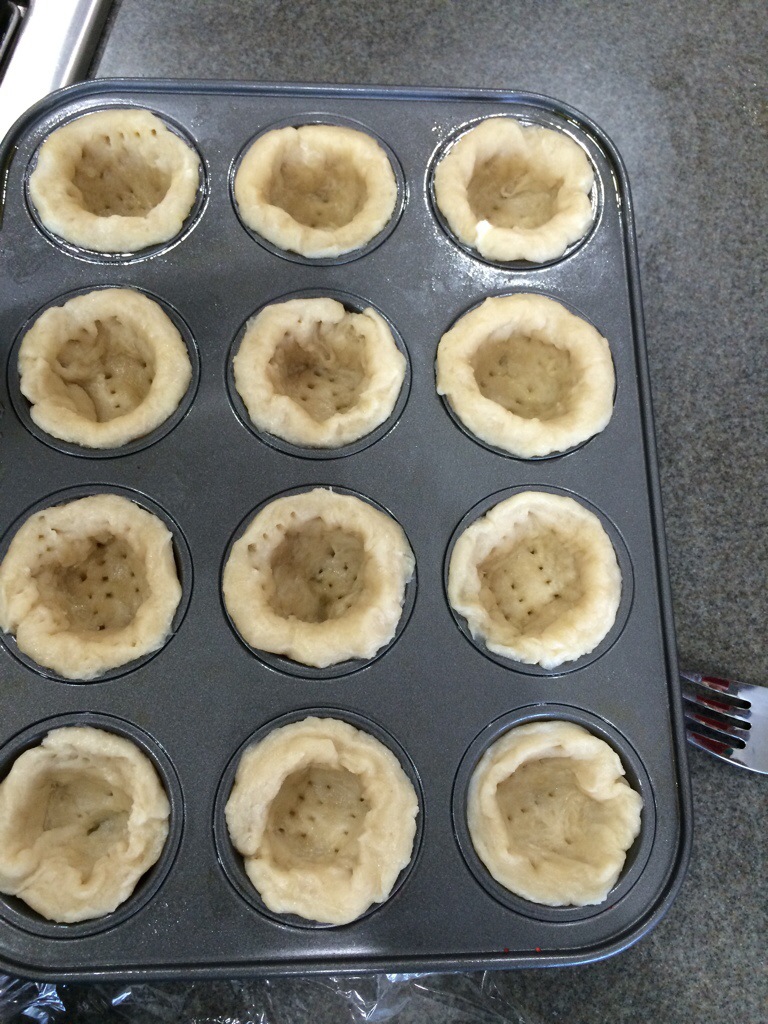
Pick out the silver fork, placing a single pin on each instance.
(727, 719)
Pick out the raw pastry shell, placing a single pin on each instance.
(44, 634)
(543, 873)
(581, 627)
(278, 413)
(590, 403)
(331, 892)
(56, 405)
(317, 143)
(372, 620)
(57, 199)
(552, 150)
(51, 871)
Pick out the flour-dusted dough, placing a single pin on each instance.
(536, 578)
(115, 180)
(318, 577)
(316, 375)
(524, 374)
(515, 192)
(551, 815)
(324, 817)
(320, 190)
(82, 817)
(104, 368)
(89, 585)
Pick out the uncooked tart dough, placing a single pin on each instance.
(315, 374)
(104, 368)
(320, 190)
(551, 815)
(524, 374)
(318, 577)
(515, 192)
(82, 817)
(324, 817)
(536, 578)
(89, 585)
(115, 180)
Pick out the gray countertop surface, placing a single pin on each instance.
(681, 90)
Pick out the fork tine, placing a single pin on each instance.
(724, 691)
(715, 728)
(727, 719)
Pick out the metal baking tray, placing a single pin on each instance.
(438, 699)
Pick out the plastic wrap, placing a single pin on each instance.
(331, 999)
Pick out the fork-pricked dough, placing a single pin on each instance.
(524, 374)
(551, 815)
(318, 577)
(315, 374)
(82, 817)
(320, 190)
(104, 368)
(515, 192)
(536, 578)
(324, 817)
(89, 585)
(115, 180)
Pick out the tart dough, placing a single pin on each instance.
(536, 578)
(316, 375)
(115, 180)
(318, 577)
(524, 374)
(319, 190)
(82, 817)
(324, 817)
(514, 192)
(89, 585)
(104, 368)
(551, 815)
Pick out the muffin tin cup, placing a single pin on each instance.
(432, 693)
(321, 117)
(182, 558)
(352, 304)
(636, 776)
(486, 444)
(622, 557)
(21, 404)
(123, 258)
(542, 119)
(232, 862)
(14, 911)
(295, 668)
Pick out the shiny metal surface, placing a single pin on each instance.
(727, 719)
(53, 47)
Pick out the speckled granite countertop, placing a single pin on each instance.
(681, 90)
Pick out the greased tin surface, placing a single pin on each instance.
(434, 696)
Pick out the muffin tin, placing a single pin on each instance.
(432, 694)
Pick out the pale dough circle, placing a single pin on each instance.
(314, 374)
(551, 815)
(515, 192)
(104, 368)
(115, 181)
(320, 190)
(524, 374)
(324, 817)
(82, 817)
(90, 585)
(536, 578)
(318, 577)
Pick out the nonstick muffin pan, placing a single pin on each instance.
(437, 697)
